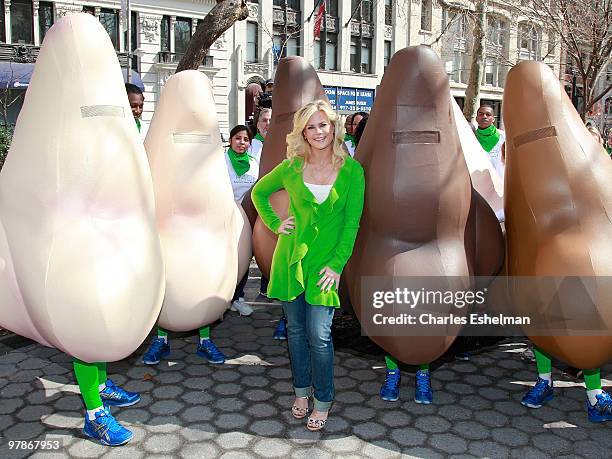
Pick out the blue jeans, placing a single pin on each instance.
(311, 350)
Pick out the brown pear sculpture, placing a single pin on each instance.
(558, 205)
(295, 85)
(418, 196)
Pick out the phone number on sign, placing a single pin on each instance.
(34, 444)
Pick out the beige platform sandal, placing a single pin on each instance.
(298, 412)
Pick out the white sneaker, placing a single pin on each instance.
(241, 307)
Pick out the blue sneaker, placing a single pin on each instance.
(106, 430)
(423, 393)
(113, 395)
(539, 394)
(390, 389)
(281, 329)
(158, 349)
(602, 411)
(209, 351)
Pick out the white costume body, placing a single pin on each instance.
(76, 204)
(196, 212)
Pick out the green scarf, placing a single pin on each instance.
(240, 162)
(138, 125)
(487, 137)
(259, 137)
(348, 137)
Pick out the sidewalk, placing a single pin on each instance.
(190, 408)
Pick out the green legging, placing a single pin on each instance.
(592, 378)
(89, 376)
(204, 332)
(392, 363)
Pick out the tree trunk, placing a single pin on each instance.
(223, 15)
(472, 92)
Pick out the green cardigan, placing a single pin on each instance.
(324, 234)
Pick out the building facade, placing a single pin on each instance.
(356, 41)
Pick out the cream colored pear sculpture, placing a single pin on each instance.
(245, 236)
(76, 201)
(195, 204)
(485, 179)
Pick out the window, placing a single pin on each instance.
(388, 12)
(387, 57)
(285, 42)
(455, 45)
(292, 4)
(134, 38)
(354, 54)
(332, 8)
(364, 10)
(45, 18)
(551, 41)
(165, 33)
(22, 27)
(182, 34)
(366, 55)
(2, 26)
(110, 22)
(426, 11)
(497, 51)
(608, 106)
(330, 50)
(490, 68)
(251, 49)
(292, 46)
(529, 42)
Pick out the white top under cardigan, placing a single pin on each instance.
(320, 192)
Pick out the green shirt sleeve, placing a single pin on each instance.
(268, 184)
(352, 216)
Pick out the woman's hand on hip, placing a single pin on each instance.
(328, 279)
(287, 225)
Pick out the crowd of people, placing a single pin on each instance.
(320, 152)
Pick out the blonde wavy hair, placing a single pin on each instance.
(297, 146)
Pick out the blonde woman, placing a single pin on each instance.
(326, 189)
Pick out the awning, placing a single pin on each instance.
(14, 75)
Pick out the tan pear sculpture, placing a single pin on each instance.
(76, 201)
(195, 204)
(558, 217)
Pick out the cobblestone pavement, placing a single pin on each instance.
(190, 408)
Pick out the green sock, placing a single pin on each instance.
(543, 361)
(391, 362)
(424, 367)
(87, 377)
(101, 372)
(161, 332)
(592, 379)
(205, 332)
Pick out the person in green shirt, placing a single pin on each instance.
(326, 192)
(136, 100)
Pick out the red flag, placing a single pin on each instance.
(319, 19)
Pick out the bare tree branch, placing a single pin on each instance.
(223, 15)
